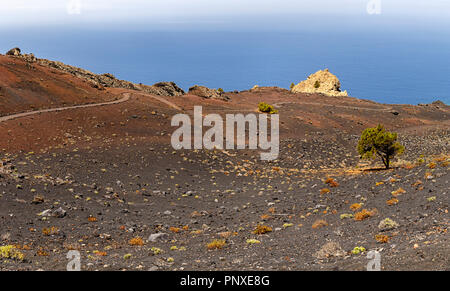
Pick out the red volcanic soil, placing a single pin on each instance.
(28, 87)
(25, 87)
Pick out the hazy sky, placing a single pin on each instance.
(43, 12)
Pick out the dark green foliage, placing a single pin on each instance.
(317, 85)
(377, 141)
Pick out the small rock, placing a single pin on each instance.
(158, 236)
(59, 213)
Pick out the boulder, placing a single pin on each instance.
(320, 82)
(207, 93)
(14, 52)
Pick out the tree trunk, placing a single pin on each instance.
(387, 163)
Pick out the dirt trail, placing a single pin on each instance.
(335, 105)
(167, 102)
(19, 115)
(126, 97)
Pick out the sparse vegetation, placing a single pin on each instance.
(355, 206)
(174, 229)
(332, 182)
(346, 215)
(266, 108)
(399, 191)
(392, 201)
(262, 229)
(324, 191)
(319, 224)
(50, 231)
(11, 252)
(432, 165)
(317, 85)
(253, 241)
(363, 214)
(387, 224)
(381, 238)
(216, 244)
(137, 241)
(358, 250)
(377, 141)
(156, 251)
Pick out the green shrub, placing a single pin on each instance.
(292, 86)
(317, 85)
(220, 90)
(377, 141)
(266, 108)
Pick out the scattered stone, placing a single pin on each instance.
(58, 213)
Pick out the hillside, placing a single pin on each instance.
(105, 180)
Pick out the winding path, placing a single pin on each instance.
(126, 97)
(167, 102)
(387, 109)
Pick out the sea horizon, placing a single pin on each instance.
(401, 66)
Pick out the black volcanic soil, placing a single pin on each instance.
(194, 197)
(114, 173)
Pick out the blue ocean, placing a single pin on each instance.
(397, 66)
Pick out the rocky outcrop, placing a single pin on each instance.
(320, 82)
(14, 52)
(103, 80)
(207, 93)
(437, 104)
(167, 88)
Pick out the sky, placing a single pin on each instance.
(161, 13)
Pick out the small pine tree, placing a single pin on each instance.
(377, 141)
(292, 86)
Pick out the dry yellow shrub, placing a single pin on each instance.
(216, 244)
